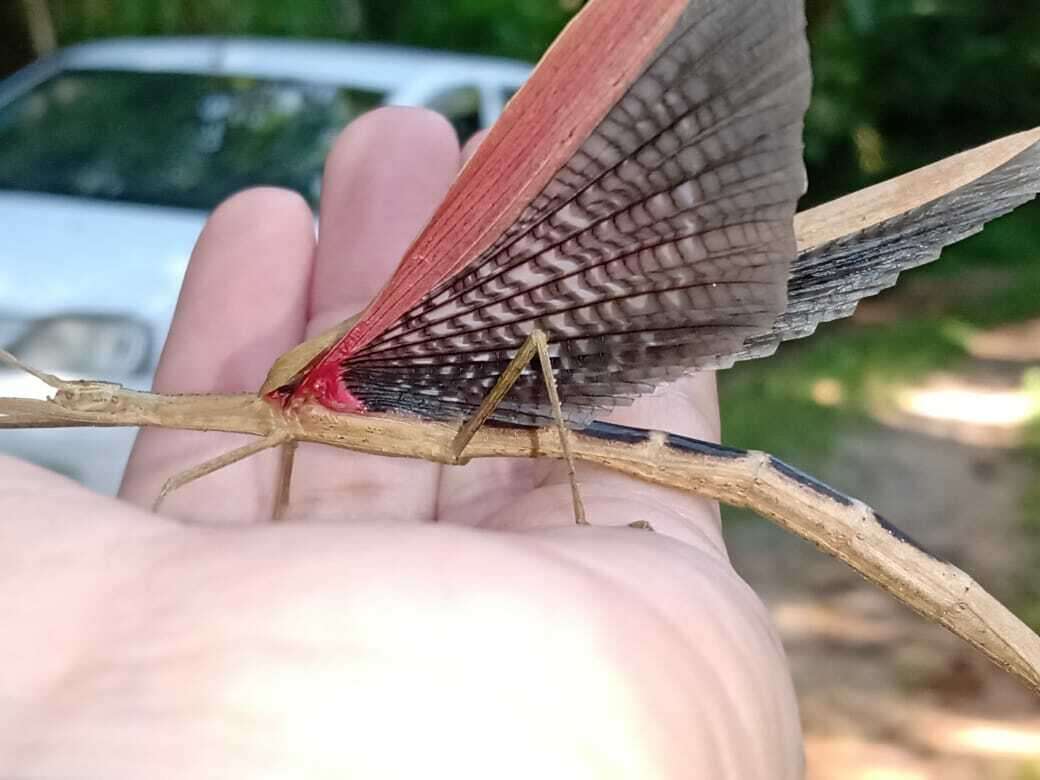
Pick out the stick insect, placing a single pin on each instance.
(630, 218)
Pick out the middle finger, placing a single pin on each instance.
(383, 180)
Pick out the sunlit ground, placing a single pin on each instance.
(960, 403)
(965, 410)
(927, 406)
(990, 738)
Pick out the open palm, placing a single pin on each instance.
(410, 619)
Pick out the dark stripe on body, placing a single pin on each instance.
(904, 537)
(810, 482)
(630, 435)
(623, 433)
(698, 447)
(826, 490)
(627, 434)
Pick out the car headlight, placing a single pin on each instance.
(95, 345)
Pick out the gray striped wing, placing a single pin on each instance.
(662, 244)
(829, 280)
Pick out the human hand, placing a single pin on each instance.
(410, 619)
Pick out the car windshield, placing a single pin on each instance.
(171, 139)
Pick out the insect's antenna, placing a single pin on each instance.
(43, 376)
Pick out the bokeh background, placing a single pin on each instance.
(925, 404)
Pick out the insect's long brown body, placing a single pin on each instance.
(635, 205)
(841, 526)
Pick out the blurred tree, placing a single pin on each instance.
(890, 72)
(516, 28)
(511, 28)
(15, 40)
(41, 26)
(84, 19)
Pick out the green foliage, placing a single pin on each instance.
(512, 28)
(772, 405)
(902, 82)
(78, 20)
(1027, 602)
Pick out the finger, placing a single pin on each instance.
(242, 304)
(383, 180)
(385, 176)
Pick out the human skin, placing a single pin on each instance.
(410, 619)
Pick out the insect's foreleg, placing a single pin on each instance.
(285, 469)
(196, 472)
(535, 344)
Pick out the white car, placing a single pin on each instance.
(113, 153)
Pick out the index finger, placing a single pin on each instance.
(242, 304)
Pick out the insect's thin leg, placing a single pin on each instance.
(285, 470)
(535, 344)
(495, 395)
(196, 472)
(542, 344)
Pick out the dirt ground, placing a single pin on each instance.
(885, 695)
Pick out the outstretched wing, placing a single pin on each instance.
(662, 242)
(949, 201)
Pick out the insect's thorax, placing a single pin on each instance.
(321, 384)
